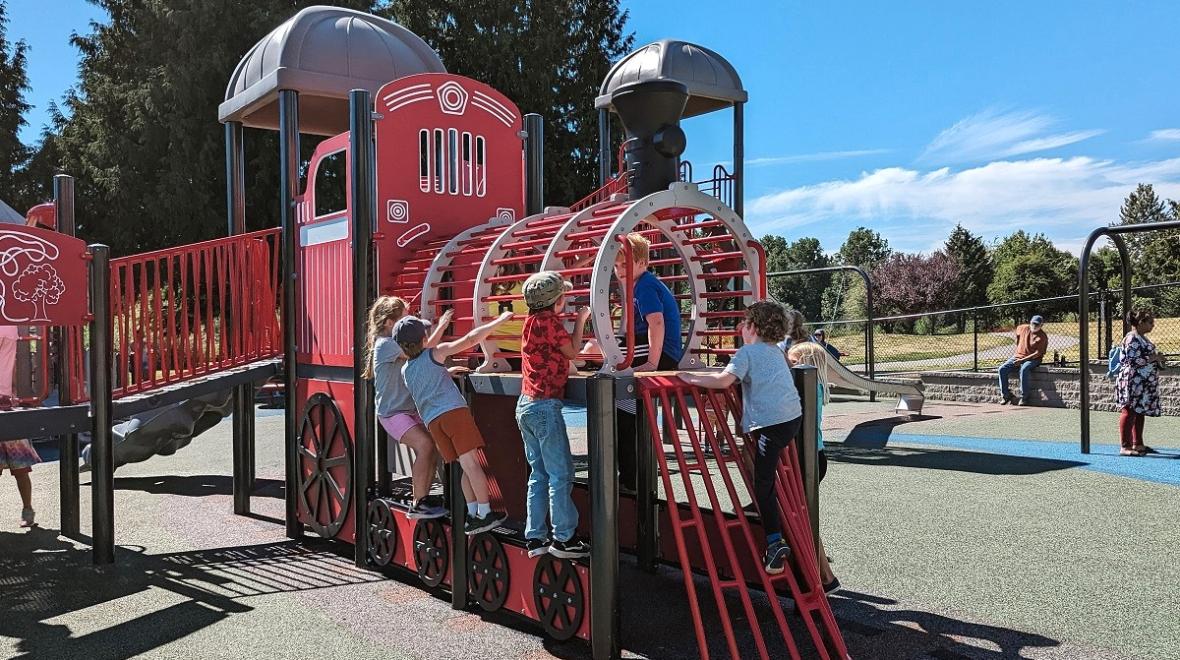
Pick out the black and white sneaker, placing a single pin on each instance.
(832, 587)
(775, 559)
(537, 547)
(476, 525)
(425, 508)
(571, 549)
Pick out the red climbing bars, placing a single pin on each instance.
(712, 448)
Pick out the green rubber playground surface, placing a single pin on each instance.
(976, 532)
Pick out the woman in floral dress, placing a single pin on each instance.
(1137, 386)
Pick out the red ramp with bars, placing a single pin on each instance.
(720, 533)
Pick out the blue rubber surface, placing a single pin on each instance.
(1163, 468)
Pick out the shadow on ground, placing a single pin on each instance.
(197, 485)
(867, 444)
(43, 577)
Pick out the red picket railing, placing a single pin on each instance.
(190, 311)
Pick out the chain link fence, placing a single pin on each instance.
(982, 338)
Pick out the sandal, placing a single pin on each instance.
(1129, 452)
(1144, 449)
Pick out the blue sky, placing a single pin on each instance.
(904, 116)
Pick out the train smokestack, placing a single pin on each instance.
(650, 112)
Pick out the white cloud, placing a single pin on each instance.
(812, 158)
(994, 134)
(1165, 135)
(1064, 197)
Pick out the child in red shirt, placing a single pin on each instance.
(546, 351)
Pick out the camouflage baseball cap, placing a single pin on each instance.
(544, 288)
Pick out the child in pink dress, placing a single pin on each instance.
(19, 457)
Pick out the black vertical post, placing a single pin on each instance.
(288, 189)
(102, 459)
(647, 499)
(384, 482)
(458, 504)
(604, 524)
(604, 151)
(67, 444)
(242, 396)
(534, 164)
(739, 159)
(975, 338)
(805, 382)
(363, 195)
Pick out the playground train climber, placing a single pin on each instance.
(1031, 342)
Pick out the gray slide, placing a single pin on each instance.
(910, 397)
(162, 431)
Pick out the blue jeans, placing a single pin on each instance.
(1026, 368)
(547, 448)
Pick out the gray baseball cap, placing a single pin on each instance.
(1036, 320)
(410, 330)
(544, 288)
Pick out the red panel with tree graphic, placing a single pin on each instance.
(43, 277)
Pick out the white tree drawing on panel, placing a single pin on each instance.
(17, 247)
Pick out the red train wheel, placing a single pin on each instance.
(324, 479)
(557, 594)
(382, 535)
(487, 571)
(431, 551)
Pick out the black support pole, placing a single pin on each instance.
(604, 151)
(242, 396)
(806, 378)
(67, 444)
(364, 212)
(102, 488)
(534, 164)
(288, 189)
(604, 524)
(739, 159)
(646, 495)
(458, 504)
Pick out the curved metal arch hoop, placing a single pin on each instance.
(482, 289)
(679, 195)
(439, 266)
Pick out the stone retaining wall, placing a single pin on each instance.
(1051, 387)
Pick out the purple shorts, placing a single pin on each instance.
(397, 424)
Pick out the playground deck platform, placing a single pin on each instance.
(974, 532)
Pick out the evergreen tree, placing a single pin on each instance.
(14, 82)
(142, 135)
(1155, 256)
(801, 292)
(550, 57)
(865, 248)
(969, 252)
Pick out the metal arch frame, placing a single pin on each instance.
(482, 289)
(1115, 236)
(870, 356)
(550, 261)
(678, 195)
(435, 272)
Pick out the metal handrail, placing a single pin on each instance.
(871, 322)
(1115, 236)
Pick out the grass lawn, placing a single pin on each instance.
(1166, 334)
(904, 347)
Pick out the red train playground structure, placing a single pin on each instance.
(429, 186)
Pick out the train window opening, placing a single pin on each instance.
(438, 160)
(331, 184)
(453, 161)
(424, 160)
